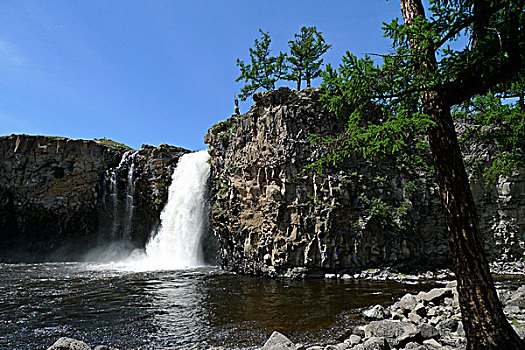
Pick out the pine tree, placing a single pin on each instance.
(413, 93)
(305, 55)
(264, 70)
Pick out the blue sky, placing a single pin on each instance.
(153, 71)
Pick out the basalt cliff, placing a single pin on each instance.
(272, 217)
(59, 197)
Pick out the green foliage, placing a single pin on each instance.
(264, 70)
(378, 122)
(305, 55)
(495, 122)
(381, 103)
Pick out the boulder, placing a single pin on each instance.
(277, 341)
(396, 333)
(69, 344)
(374, 343)
(435, 295)
(376, 312)
(407, 302)
(427, 331)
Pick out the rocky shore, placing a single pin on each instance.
(424, 321)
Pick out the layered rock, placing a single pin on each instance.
(272, 217)
(53, 192)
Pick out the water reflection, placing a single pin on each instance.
(188, 309)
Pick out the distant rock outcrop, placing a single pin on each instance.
(271, 217)
(54, 194)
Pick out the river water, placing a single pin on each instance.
(160, 299)
(194, 308)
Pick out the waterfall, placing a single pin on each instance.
(112, 176)
(130, 191)
(183, 219)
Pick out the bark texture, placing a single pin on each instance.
(485, 324)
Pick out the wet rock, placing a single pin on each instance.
(69, 344)
(277, 341)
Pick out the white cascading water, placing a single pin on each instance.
(183, 219)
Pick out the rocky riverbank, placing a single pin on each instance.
(425, 321)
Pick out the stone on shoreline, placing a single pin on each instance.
(69, 344)
(277, 341)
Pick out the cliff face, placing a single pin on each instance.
(271, 217)
(54, 192)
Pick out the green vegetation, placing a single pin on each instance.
(305, 56)
(119, 147)
(404, 107)
(264, 70)
(496, 123)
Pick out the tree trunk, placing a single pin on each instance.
(486, 327)
(299, 81)
(308, 79)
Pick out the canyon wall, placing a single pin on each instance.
(57, 197)
(272, 217)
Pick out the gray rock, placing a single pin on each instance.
(373, 343)
(420, 309)
(264, 205)
(396, 333)
(105, 347)
(435, 295)
(354, 339)
(376, 312)
(448, 326)
(341, 346)
(519, 331)
(277, 341)
(427, 331)
(415, 346)
(407, 302)
(433, 343)
(414, 318)
(461, 331)
(69, 344)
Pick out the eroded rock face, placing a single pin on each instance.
(53, 194)
(272, 217)
(135, 192)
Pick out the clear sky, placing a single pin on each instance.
(153, 71)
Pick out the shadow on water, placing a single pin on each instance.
(186, 309)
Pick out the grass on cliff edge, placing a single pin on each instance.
(113, 144)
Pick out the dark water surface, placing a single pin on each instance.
(187, 309)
